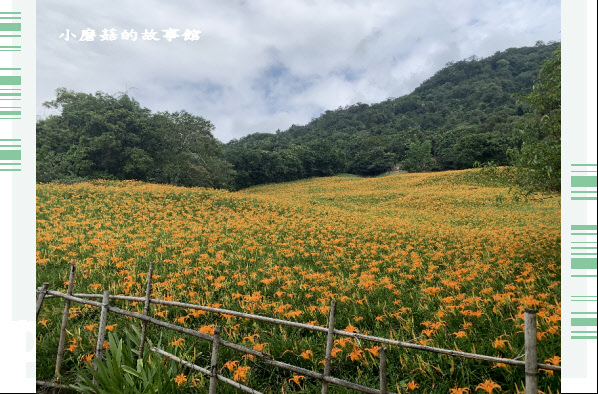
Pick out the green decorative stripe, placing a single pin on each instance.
(11, 94)
(583, 191)
(584, 227)
(10, 35)
(18, 139)
(10, 164)
(584, 247)
(10, 155)
(575, 254)
(583, 198)
(10, 146)
(584, 234)
(588, 337)
(10, 80)
(584, 321)
(11, 12)
(10, 27)
(10, 169)
(584, 313)
(10, 112)
(583, 181)
(584, 165)
(583, 264)
(583, 276)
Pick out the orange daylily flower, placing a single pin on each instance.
(44, 322)
(459, 390)
(240, 374)
(180, 379)
(306, 354)
(487, 386)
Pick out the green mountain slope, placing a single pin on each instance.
(464, 114)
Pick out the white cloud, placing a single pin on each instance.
(264, 65)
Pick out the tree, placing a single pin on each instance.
(538, 159)
(419, 157)
(101, 136)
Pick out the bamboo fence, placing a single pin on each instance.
(530, 364)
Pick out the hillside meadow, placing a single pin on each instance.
(443, 259)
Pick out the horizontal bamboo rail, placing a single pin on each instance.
(160, 323)
(385, 341)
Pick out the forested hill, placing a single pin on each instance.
(465, 113)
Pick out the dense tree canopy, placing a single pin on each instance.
(100, 136)
(538, 158)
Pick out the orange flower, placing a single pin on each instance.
(181, 319)
(240, 374)
(260, 346)
(306, 354)
(90, 327)
(412, 385)
(356, 354)
(209, 329)
(296, 378)
(231, 365)
(180, 379)
(87, 358)
(44, 322)
(374, 350)
(178, 342)
(554, 360)
(499, 343)
(460, 334)
(111, 327)
(488, 386)
(459, 390)
(343, 341)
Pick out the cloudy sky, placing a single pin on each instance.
(263, 65)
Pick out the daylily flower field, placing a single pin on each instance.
(435, 258)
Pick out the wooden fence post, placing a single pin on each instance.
(329, 345)
(148, 292)
(383, 370)
(214, 361)
(103, 322)
(40, 298)
(531, 355)
(65, 318)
